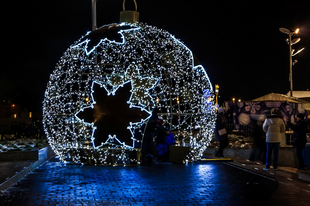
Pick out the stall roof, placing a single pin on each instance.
(300, 94)
(304, 95)
(282, 98)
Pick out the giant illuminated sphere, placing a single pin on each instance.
(130, 68)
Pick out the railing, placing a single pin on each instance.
(242, 130)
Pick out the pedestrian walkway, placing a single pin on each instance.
(160, 183)
(56, 183)
(287, 175)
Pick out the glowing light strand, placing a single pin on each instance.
(157, 57)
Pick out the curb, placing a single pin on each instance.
(44, 155)
(304, 176)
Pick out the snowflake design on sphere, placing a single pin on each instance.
(252, 107)
(112, 33)
(140, 98)
(140, 87)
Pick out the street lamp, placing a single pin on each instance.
(290, 43)
(217, 87)
(94, 14)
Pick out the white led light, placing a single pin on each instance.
(160, 70)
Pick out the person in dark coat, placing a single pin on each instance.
(258, 151)
(220, 132)
(299, 137)
(170, 139)
(161, 146)
(147, 143)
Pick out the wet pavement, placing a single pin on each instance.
(199, 183)
(10, 168)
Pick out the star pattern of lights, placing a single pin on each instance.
(162, 74)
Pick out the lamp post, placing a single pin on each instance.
(94, 14)
(94, 20)
(217, 87)
(290, 43)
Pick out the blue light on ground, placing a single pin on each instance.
(57, 183)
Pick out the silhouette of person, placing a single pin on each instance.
(220, 132)
(299, 137)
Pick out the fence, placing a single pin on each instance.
(238, 129)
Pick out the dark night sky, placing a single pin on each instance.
(237, 42)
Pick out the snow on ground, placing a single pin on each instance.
(22, 145)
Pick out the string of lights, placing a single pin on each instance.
(162, 75)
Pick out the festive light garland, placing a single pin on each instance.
(160, 70)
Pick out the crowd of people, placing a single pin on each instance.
(267, 134)
(268, 130)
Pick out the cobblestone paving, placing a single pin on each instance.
(56, 183)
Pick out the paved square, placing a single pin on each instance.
(216, 183)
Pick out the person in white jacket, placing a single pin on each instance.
(274, 127)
